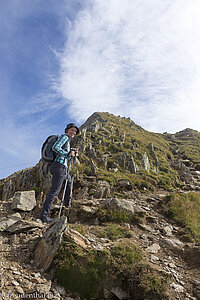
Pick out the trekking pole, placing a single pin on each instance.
(72, 181)
(64, 191)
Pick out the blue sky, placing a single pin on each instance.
(62, 60)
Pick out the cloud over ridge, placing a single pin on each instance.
(139, 59)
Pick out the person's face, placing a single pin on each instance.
(71, 132)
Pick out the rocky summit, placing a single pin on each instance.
(133, 230)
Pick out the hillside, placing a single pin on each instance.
(118, 149)
(133, 230)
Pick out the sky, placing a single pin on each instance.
(62, 60)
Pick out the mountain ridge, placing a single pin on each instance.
(133, 232)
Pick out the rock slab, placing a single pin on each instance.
(50, 243)
(5, 224)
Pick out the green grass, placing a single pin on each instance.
(86, 273)
(126, 256)
(136, 144)
(112, 231)
(185, 209)
(78, 227)
(115, 215)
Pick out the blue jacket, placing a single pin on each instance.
(62, 152)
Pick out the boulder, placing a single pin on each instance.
(154, 248)
(24, 201)
(119, 293)
(120, 204)
(177, 287)
(124, 183)
(172, 243)
(4, 224)
(167, 230)
(77, 238)
(24, 226)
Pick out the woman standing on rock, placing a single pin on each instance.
(58, 169)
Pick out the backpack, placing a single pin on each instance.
(47, 153)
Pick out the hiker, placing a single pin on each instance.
(58, 169)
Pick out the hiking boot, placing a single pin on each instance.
(46, 220)
(68, 202)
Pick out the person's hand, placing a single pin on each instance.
(72, 153)
(76, 152)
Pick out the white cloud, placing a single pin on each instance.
(138, 59)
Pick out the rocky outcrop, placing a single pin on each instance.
(31, 178)
(154, 155)
(93, 123)
(183, 171)
(145, 162)
(132, 166)
(50, 243)
(187, 169)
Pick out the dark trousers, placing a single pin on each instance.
(59, 174)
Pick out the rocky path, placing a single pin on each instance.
(19, 277)
(161, 241)
(155, 234)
